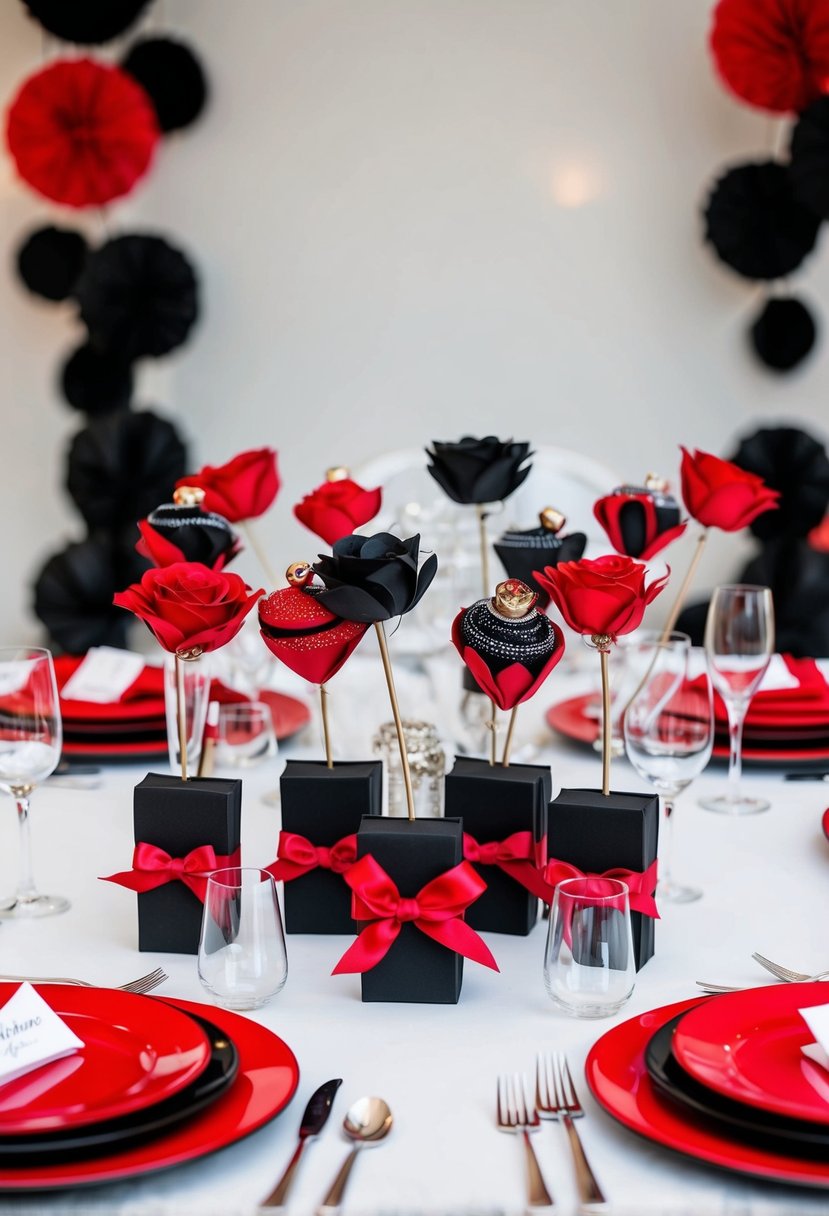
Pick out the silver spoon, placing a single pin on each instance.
(366, 1123)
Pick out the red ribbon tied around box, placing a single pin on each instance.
(153, 867)
(296, 855)
(437, 910)
(641, 884)
(515, 855)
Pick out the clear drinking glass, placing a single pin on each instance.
(669, 734)
(31, 737)
(589, 965)
(242, 956)
(739, 643)
(246, 735)
(196, 698)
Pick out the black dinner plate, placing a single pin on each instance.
(747, 1123)
(112, 1134)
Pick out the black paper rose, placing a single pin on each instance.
(809, 152)
(138, 296)
(783, 333)
(755, 223)
(73, 595)
(799, 579)
(123, 465)
(172, 76)
(521, 553)
(479, 470)
(96, 381)
(794, 463)
(50, 261)
(86, 22)
(374, 578)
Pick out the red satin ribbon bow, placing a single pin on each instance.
(640, 884)
(153, 867)
(295, 856)
(436, 910)
(515, 855)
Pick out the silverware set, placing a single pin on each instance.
(785, 975)
(555, 1098)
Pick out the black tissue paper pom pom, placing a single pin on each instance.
(138, 296)
(123, 465)
(755, 223)
(73, 596)
(783, 333)
(173, 78)
(799, 579)
(809, 152)
(795, 463)
(50, 261)
(96, 381)
(86, 22)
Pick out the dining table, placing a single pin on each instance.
(765, 882)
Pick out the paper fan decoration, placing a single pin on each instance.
(172, 77)
(73, 596)
(795, 464)
(783, 333)
(138, 296)
(95, 381)
(809, 152)
(87, 22)
(81, 133)
(773, 53)
(50, 261)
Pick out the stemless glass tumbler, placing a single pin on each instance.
(739, 643)
(589, 965)
(242, 957)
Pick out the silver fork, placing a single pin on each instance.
(144, 983)
(556, 1098)
(786, 974)
(517, 1114)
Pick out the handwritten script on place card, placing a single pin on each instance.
(103, 676)
(31, 1034)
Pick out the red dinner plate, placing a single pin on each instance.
(619, 1081)
(746, 1046)
(289, 714)
(136, 1053)
(266, 1082)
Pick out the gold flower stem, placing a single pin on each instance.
(686, 583)
(606, 728)
(508, 743)
(395, 709)
(484, 546)
(493, 726)
(181, 710)
(325, 733)
(256, 545)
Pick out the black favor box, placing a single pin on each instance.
(324, 804)
(179, 816)
(598, 832)
(494, 802)
(412, 852)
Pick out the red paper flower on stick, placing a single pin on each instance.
(304, 635)
(720, 494)
(773, 53)
(81, 133)
(242, 489)
(337, 507)
(602, 596)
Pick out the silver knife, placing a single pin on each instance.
(313, 1121)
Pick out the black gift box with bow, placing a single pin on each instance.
(179, 816)
(495, 802)
(324, 805)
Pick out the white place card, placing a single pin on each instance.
(31, 1034)
(103, 676)
(817, 1019)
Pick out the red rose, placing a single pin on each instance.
(241, 489)
(720, 494)
(336, 508)
(188, 607)
(603, 595)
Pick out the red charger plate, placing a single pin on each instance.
(746, 1046)
(266, 1082)
(121, 1068)
(618, 1079)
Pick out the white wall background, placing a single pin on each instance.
(380, 204)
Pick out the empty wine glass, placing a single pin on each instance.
(242, 956)
(31, 737)
(669, 733)
(739, 643)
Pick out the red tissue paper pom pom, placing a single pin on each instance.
(81, 133)
(773, 53)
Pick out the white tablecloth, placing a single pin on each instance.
(766, 881)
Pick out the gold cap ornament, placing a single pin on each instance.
(551, 519)
(656, 483)
(299, 574)
(337, 473)
(188, 496)
(513, 599)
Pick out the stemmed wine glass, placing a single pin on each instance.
(30, 743)
(669, 733)
(739, 643)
